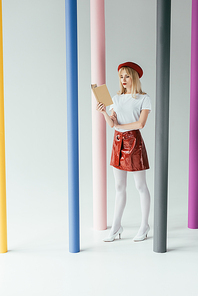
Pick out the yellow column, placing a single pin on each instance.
(3, 219)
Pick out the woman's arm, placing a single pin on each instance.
(101, 108)
(134, 125)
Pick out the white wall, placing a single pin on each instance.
(35, 95)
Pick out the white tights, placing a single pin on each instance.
(120, 201)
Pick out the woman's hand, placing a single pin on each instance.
(114, 118)
(101, 108)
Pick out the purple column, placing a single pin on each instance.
(193, 148)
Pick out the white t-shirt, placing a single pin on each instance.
(128, 108)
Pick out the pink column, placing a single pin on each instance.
(98, 122)
(193, 148)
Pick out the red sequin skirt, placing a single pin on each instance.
(129, 151)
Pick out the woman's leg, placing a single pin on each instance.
(120, 200)
(140, 182)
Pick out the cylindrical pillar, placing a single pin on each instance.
(193, 145)
(3, 219)
(162, 124)
(72, 123)
(98, 122)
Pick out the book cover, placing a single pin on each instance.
(102, 94)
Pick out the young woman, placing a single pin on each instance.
(129, 113)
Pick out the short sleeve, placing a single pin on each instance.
(146, 104)
(112, 105)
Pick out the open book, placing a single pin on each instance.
(102, 94)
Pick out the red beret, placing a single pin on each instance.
(133, 66)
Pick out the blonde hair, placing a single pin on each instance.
(136, 84)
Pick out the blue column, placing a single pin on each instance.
(72, 123)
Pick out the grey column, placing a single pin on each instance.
(162, 124)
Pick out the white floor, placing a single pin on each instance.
(38, 261)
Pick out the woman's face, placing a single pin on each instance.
(126, 80)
